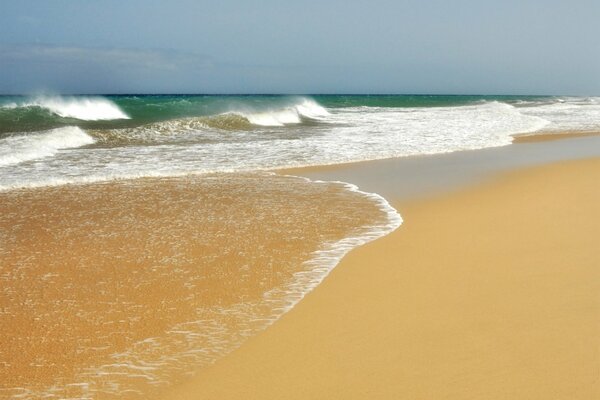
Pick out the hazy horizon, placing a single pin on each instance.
(291, 94)
(330, 47)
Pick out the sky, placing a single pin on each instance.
(324, 46)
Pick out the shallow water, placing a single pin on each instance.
(122, 289)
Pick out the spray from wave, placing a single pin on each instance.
(203, 134)
(293, 114)
(236, 120)
(82, 108)
(17, 149)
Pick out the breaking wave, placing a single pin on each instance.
(82, 108)
(171, 131)
(175, 130)
(17, 149)
(289, 115)
(237, 134)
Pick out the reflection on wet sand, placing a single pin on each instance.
(125, 287)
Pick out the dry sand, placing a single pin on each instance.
(487, 293)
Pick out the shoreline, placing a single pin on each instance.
(517, 139)
(149, 294)
(409, 178)
(402, 327)
(542, 136)
(385, 177)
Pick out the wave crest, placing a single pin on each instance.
(293, 114)
(17, 149)
(82, 108)
(179, 129)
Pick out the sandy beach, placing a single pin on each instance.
(113, 290)
(294, 201)
(489, 291)
(178, 288)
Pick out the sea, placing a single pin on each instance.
(54, 140)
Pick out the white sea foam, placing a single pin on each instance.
(83, 108)
(325, 259)
(289, 115)
(201, 145)
(273, 118)
(31, 146)
(568, 114)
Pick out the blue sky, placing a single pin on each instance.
(326, 46)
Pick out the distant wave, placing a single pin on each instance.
(82, 108)
(235, 120)
(171, 131)
(224, 138)
(289, 115)
(17, 149)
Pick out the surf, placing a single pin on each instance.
(293, 114)
(32, 146)
(82, 108)
(238, 119)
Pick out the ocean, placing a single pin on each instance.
(52, 140)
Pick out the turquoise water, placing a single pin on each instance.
(144, 109)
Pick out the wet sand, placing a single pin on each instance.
(411, 178)
(120, 289)
(485, 292)
(545, 136)
(489, 289)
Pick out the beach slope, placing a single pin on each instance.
(490, 292)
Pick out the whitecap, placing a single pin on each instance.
(83, 108)
(31, 146)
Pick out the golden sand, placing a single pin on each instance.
(487, 293)
(117, 290)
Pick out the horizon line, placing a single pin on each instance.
(292, 94)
